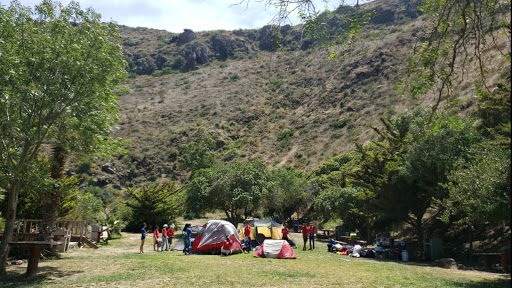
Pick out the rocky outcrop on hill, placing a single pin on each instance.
(225, 45)
(194, 54)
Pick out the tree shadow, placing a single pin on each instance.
(17, 277)
(502, 281)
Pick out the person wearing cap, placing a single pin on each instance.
(164, 239)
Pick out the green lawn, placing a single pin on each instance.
(118, 264)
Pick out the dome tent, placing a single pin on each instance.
(265, 229)
(209, 240)
(279, 249)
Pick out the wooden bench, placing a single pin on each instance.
(34, 252)
(487, 264)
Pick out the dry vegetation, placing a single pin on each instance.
(290, 107)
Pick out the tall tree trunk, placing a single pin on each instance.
(419, 232)
(52, 199)
(10, 218)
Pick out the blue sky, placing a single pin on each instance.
(198, 15)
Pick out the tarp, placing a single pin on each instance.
(279, 249)
(209, 240)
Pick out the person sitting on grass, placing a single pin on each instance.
(331, 244)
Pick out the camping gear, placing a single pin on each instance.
(262, 230)
(209, 239)
(405, 256)
(279, 249)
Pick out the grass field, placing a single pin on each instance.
(118, 264)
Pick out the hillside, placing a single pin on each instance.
(285, 103)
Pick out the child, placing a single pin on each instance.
(170, 234)
(164, 239)
(225, 249)
(311, 230)
(285, 231)
(331, 244)
(142, 238)
(305, 234)
(156, 234)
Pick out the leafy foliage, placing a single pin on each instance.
(153, 204)
(197, 154)
(288, 193)
(235, 189)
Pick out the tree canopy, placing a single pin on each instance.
(60, 66)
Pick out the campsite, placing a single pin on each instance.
(118, 264)
(376, 132)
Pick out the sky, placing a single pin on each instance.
(198, 15)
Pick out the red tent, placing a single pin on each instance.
(209, 240)
(275, 249)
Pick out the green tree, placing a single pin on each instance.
(198, 153)
(480, 189)
(236, 189)
(154, 204)
(433, 150)
(60, 66)
(355, 206)
(288, 193)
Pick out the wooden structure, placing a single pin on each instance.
(34, 252)
(28, 230)
(487, 263)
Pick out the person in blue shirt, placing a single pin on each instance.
(142, 238)
(187, 232)
(331, 244)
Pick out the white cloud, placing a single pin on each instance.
(176, 15)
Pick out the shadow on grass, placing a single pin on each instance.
(17, 278)
(503, 281)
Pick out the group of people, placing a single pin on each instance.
(308, 232)
(166, 239)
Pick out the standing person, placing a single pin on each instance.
(142, 238)
(187, 232)
(156, 234)
(164, 239)
(247, 231)
(305, 234)
(285, 232)
(170, 234)
(311, 236)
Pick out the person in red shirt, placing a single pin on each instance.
(285, 232)
(156, 234)
(311, 236)
(247, 231)
(164, 239)
(225, 250)
(305, 234)
(170, 234)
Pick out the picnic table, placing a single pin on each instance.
(486, 256)
(34, 252)
(326, 233)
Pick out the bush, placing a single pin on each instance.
(283, 135)
(339, 123)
